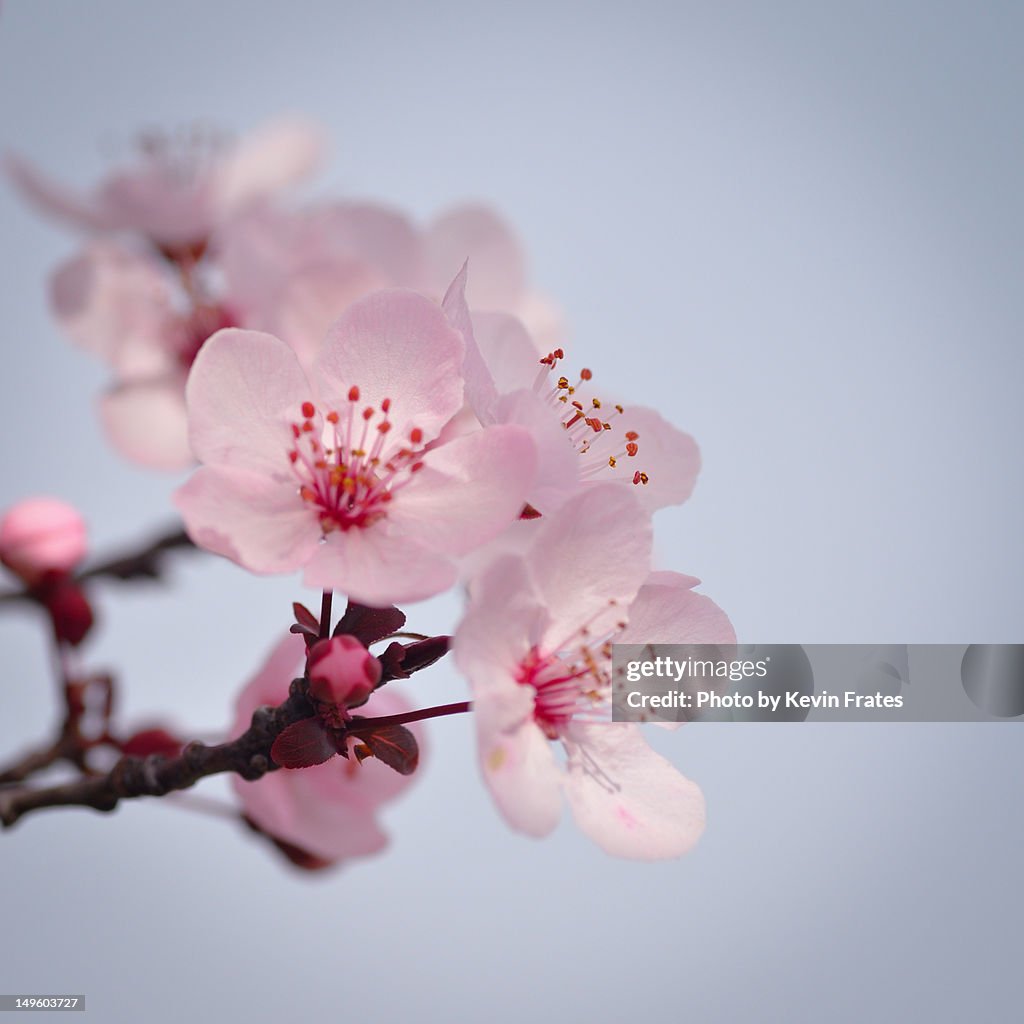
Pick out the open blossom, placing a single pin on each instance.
(535, 644)
(181, 185)
(583, 436)
(328, 810)
(337, 472)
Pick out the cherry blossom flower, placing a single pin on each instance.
(120, 305)
(328, 810)
(338, 472)
(583, 437)
(535, 644)
(182, 185)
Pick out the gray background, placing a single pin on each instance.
(796, 229)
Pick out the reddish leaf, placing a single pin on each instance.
(152, 741)
(305, 620)
(395, 746)
(368, 625)
(302, 745)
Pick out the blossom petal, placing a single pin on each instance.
(504, 618)
(111, 301)
(627, 798)
(244, 391)
(481, 392)
(558, 465)
(509, 352)
(312, 300)
(397, 345)
(520, 769)
(469, 489)
(379, 566)
(50, 197)
(667, 611)
(146, 422)
(595, 550)
(668, 456)
(497, 272)
(275, 154)
(262, 525)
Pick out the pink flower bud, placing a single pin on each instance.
(39, 536)
(342, 671)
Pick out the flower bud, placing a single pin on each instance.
(40, 536)
(342, 671)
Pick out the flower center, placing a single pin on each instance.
(348, 465)
(587, 423)
(570, 682)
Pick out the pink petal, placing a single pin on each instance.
(377, 236)
(521, 772)
(379, 566)
(49, 197)
(468, 491)
(244, 392)
(145, 421)
(509, 352)
(497, 275)
(397, 345)
(481, 392)
(593, 551)
(669, 457)
(628, 799)
(558, 465)
(667, 611)
(262, 525)
(504, 618)
(168, 211)
(312, 300)
(114, 302)
(274, 155)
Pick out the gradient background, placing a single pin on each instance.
(796, 229)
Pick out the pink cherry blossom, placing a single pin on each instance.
(40, 536)
(535, 644)
(328, 810)
(583, 437)
(337, 472)
(120, 305)
(182, 185)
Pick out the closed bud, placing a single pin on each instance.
(40, 536)
(342, 671)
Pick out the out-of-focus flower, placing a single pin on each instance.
(336, 472)
(119, 305)
(182, 185)
(42, 541)
(535, 644)
(328, 810)
(40, 536)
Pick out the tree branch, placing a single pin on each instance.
(157, 775)
(145, 563)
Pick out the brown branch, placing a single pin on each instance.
(146, 562)
(157, 775)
